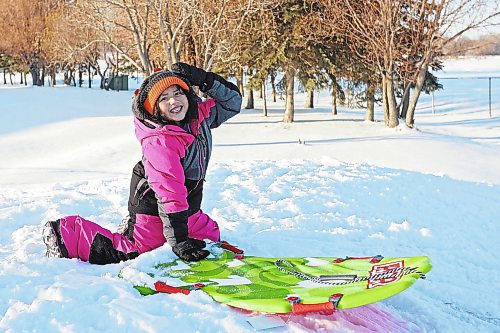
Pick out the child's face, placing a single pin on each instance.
(173, 104)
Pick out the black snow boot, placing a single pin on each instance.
(53, 240)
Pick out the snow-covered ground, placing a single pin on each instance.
(351, 188)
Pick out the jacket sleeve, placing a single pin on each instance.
(225, 102)
(163, 168)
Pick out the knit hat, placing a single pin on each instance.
(153, 86)
(159, 87)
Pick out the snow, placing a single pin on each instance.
(484, 66)
(349, 188)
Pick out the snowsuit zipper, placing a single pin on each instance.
(200, 143)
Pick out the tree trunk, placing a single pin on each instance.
(405, 101)
(239, 84)
(42, 79)
(334, 97)
(250, 104)
(174, 55)
(239, 81)
(384, 101)
(370, 102)
(90, 75)
(289, 110)
(310, 99)
(142, 52)
(101, 74)
(80, 77)
(273, 86)
(242, 75)
(66, 79)
(145, 63)
(249, 89)
(22, 81)
(53, 76)
(35, 76)
(392, 112)
(409, 120)
(4, 77)
(48, 76)
(35, 71)
(264, 109)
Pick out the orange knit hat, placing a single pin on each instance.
(159, 87)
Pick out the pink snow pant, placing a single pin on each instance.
(79, 235)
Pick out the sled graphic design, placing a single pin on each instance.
(284, 285)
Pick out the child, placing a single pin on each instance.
(174, 129)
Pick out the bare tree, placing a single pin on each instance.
(401, 40)
(216, 29)
(329, 32)
(436, 25)
(126, 26)
(283, 44)
(68, 44)
(374, 32)
(173, 21)
(23, 24)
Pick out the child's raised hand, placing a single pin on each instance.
(196, 76)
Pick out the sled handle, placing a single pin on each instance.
(239, 254)
(299, 308)
(165, 288)
(326, 307)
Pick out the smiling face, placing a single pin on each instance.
(173, 104)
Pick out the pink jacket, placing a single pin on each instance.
(163, 148)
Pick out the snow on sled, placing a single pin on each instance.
(284, 285)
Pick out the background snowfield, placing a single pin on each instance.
(352, 188)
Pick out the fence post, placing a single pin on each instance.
(489, 79)
(433, 102)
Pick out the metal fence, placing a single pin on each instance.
(471, 91)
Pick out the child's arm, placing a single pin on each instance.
(226, 97)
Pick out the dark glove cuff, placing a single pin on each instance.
(189, 251)
(178, 221)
